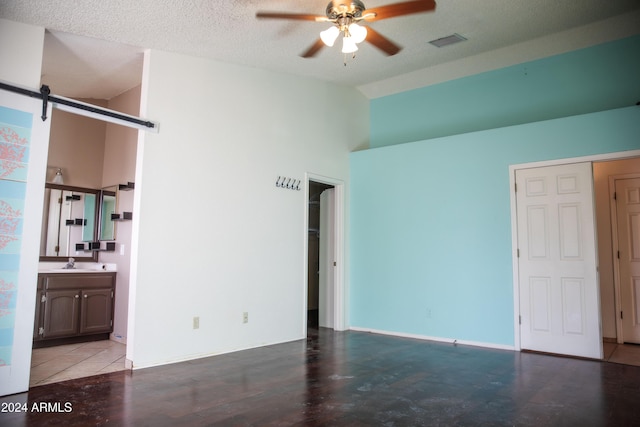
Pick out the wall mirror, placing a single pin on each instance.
(70, 216)
(108, 206)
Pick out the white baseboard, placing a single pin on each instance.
(438, 339)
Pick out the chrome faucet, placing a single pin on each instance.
(71, 264)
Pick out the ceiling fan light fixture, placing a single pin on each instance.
(329, 35)
(357, 32)
(349, 45)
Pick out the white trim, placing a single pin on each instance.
(614, 248)
(437, 339)
(339, 323)
(514, 258)
(569, 160)
(514, 224)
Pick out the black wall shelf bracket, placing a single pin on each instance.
(127, 187)
(126, 216)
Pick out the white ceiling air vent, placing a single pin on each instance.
(446, 41)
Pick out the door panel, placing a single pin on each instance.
(96, 311)
(540, 301)
(628, 219)
(570, 232)
(61, 313)
(327, 259)
(559, 299)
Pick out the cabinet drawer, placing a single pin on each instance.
(79, 281)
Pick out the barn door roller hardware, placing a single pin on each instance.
(78, 107)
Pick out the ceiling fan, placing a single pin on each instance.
(345, 17)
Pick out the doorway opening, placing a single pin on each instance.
(324, 299)
(320, 235)
(62, 347)
(114, 162)
(606, 168)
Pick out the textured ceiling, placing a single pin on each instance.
(93, 48)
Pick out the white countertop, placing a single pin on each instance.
(80, 267)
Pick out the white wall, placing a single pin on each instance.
(77, 146)
(21, 46)
(215, 237)
(601, 173)
(119, 168)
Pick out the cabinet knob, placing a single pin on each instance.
(85, 295)
(77, 296)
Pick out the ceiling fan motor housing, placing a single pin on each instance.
(353, 9)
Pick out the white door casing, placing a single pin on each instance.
(557, 268)
(628, 256)
(326, 300)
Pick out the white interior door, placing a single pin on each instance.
(628, 221)
(559, 296)
(326, 306)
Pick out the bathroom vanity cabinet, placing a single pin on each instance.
(74, 306)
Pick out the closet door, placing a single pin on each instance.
(559, 295)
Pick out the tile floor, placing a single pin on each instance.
(65, 362)
(626, 354)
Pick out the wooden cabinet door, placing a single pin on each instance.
(96, 311)
(61, 313)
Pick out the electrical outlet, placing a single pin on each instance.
(245, 317)
(196, 322)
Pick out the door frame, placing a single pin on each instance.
(339, 322)
(514, 225)
(614, 247)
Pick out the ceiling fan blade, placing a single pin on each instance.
(313, 49)
(381, 42)
(399, 9)
(296, 16)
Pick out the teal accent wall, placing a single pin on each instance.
(588, 80)
(431, 228)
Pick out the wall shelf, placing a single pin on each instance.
(126, 187)
(125, 216)
(96, 247)
(77, 221)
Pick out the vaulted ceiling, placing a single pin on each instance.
(93, 48)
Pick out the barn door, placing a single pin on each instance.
(24, 139)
